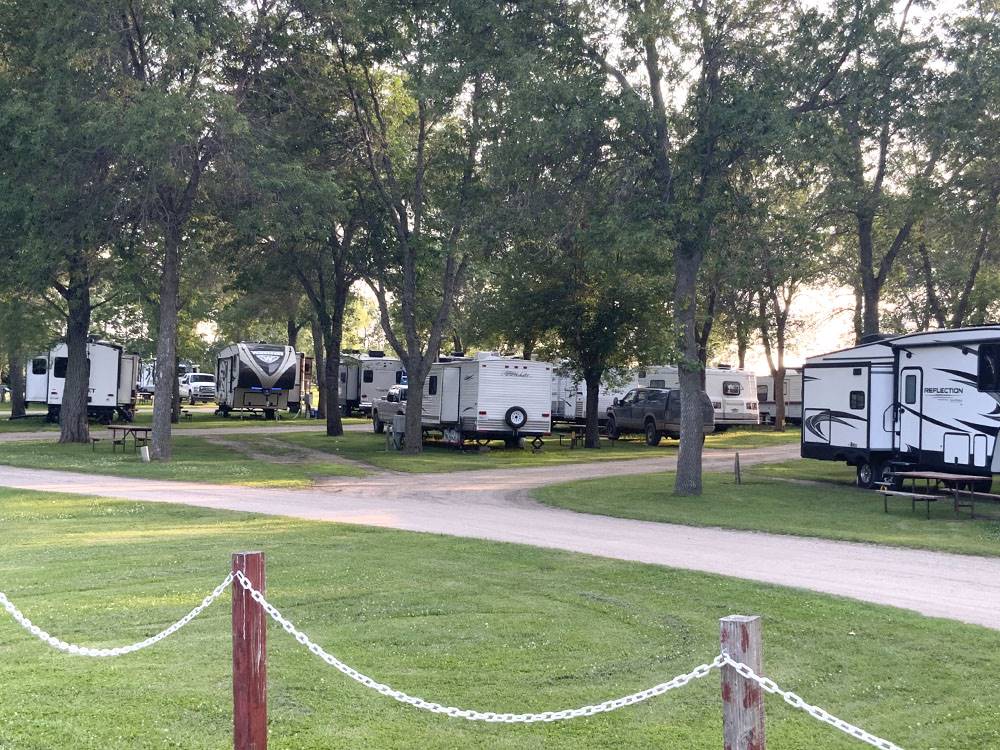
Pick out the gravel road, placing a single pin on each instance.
(495, 505)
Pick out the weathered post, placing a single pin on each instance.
(736, 469)
(740, 636)
(249, 656)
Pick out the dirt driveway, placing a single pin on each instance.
(495, 505)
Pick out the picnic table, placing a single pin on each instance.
(937, 477)
(139, 434)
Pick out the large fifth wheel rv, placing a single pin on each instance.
(256, 377)
(488, 397)
(923, 401)
(112, 386)
(793, 396)
(733, 392)
(366, 378)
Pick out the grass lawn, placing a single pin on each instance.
(764, 503)
(194, 460)
(469, 623)
(202, 415)
(370, 448)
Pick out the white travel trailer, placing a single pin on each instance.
(256, 377)
(303, 382)
(147, 375)
(921, 401)
(488, 397)
(793, 396)
(365, 378)
(733, 392)
(569, 396)
(112, 387)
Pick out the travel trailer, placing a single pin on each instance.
(921, 401)
(256, 377)
(112, 387)
(365, 378)
(303, 382)
(569, 396)
(488, 397)
(793, 396)
(733, 392)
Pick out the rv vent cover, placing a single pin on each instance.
(857, 370)
(375, 353)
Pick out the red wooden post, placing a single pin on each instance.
(742, 699)
(249, 656)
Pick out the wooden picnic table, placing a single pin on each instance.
(955, 479)
(138, 434)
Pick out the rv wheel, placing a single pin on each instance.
(269, 413)
(868, 472)
(377, 424)
(515, 417)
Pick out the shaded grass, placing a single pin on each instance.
(470, 623)
(194, 460)
(438, 457)
(766, 503)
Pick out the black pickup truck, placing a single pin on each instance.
(655, 412)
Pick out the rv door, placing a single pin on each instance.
(911, 405)
(451, 386)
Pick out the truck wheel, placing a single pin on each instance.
(377, 424)
(193, 401)
(653, 435)
(612, 429)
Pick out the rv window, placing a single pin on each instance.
(762, 393)
(38, 366)
(910, 387)
(857, 399)
(368, 376)
(731, 388)
(989, 367)
(399, 377)
(59, 367)
(657, 383)
(432, 385)
(343, 376)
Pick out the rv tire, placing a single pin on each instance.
(869, 472)
(516, 417)
(269, 413)
(377, 424)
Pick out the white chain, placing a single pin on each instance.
(72, 648)
(462, 713)
(815, 711)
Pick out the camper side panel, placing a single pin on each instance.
(835, 412)
(945, 421)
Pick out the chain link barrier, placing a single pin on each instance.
(465, 713)
(76, 650)
(680, 680)
(815, 711)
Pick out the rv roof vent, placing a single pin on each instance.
(457, 354)
(487, 355)
(375, 353)
(724, 367)
(871, 338)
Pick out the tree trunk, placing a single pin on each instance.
(592, 430)
(166, 343)
(778, 375)
(741, 352)
(870, 287)
(17, 380)
(334, 339)
(293, 333)
(982, 248)
(416, 376)
(690, 372)
(175, 399)
(73, 412)
(319, 339)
